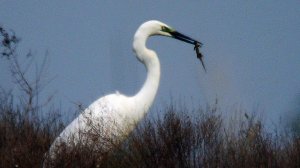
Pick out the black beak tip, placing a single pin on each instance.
(198, 44)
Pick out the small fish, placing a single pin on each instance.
(199, 55)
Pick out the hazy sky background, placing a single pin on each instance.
(251, 50)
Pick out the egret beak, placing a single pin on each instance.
(184, 38)
(187, 39)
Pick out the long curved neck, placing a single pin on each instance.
(145, 97)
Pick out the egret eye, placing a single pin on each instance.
(165, 29)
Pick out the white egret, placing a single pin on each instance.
(119, 112)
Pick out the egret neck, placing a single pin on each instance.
(145, 97)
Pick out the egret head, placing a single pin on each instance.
(154, 27)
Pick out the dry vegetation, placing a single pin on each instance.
(177, 139)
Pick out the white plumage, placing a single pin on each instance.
(115, 115)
